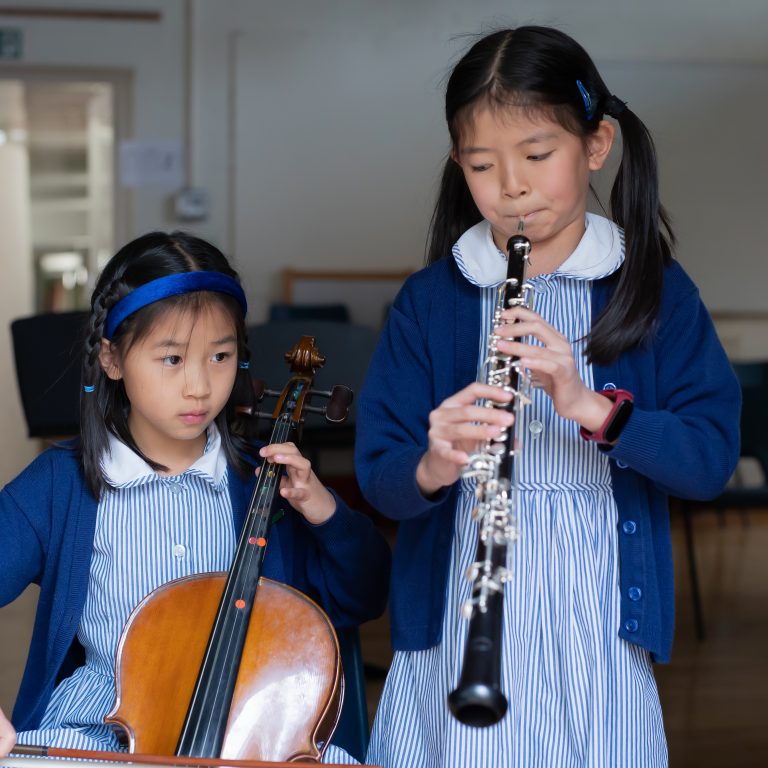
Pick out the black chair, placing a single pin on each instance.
(48, 352)
(753, 378)
(337, 312)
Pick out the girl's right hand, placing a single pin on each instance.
(300, 485)
(7, 735)
(456, 428)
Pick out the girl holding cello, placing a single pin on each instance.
(156, 488)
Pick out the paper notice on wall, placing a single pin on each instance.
(151, 164)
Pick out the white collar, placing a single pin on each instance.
(599, 253)
(123, 466)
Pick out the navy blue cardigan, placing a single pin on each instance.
(47, 525)
(682, 439)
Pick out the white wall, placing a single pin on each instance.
(338, 128)
(317, 127)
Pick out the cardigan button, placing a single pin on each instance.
(621, 464)
(631, 625)
(179, 551)
(610, 385)
(629, 527)
(634, 593)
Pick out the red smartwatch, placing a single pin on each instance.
(609, 432)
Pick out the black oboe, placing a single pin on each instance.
(478, 699)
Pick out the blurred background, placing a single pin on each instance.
(306, 138)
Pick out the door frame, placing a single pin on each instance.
(121, 81)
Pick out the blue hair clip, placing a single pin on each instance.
(88, 387)
(245, 365)
(586, 98)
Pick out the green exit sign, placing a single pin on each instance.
(10, 43)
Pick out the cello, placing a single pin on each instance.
(233, 665)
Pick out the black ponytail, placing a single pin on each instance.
(629, 317)
(547, 72)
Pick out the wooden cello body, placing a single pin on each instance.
(232, 665)
(289, 688)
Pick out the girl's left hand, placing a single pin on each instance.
(552, 367)
(300, 485)
(7, 735)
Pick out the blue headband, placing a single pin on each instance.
(172, 285)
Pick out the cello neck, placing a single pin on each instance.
(205, 725)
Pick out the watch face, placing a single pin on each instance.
(620, 417)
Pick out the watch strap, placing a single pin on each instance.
(610, 429)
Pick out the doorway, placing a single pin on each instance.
(64, 128)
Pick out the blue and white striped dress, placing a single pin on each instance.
(150, 530)
(578, 694)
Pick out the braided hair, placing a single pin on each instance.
(104, 405)
(546, 72)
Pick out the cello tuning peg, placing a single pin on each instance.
(248, 411)
(335, 392)
(314, 409)
(248, 408)
(320, 392)
(339, 399)
(338, 405)
(258, 386)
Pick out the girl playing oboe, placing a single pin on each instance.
(636, 400)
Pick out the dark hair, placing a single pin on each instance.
(105, 409)
(537, 68)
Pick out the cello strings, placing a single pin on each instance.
(261, 519)
(260, 515)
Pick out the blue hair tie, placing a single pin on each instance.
(586, 98)
(88, 387)
(245, 365)
(172, 285)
